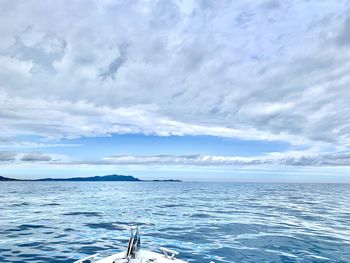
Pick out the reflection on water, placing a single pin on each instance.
(62, 221)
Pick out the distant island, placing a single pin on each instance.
(105, 178)
(113, 177)
(7, 179)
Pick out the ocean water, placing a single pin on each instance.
(223, 222)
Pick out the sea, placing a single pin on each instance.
(222, 222)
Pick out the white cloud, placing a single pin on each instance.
(39, 47)
(289, 159)
(271, 71)
(13, 142)
(65, 119)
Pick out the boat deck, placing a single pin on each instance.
(144, 256)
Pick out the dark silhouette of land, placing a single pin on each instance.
(105, 178)
(7, 179)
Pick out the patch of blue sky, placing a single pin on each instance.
(138, 144)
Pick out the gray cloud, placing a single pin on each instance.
(36, 157)
(343, 38)
(271, 4)
(114, 66)
(6, 156)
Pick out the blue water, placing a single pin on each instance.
(224, 222)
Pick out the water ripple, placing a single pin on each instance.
(219, 222)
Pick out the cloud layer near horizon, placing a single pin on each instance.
(275, 159)
(273, 70)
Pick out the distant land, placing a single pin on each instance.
(105, 178)
(7, 179)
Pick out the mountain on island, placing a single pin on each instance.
(2, 178)
(105, 178)
(113, 177)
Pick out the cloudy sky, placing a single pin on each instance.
(195, 90)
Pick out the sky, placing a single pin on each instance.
(242, 91)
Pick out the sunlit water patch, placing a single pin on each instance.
(224, 222)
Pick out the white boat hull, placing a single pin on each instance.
(143, 256)
(134, 254)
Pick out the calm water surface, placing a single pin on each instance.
(224, 222)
